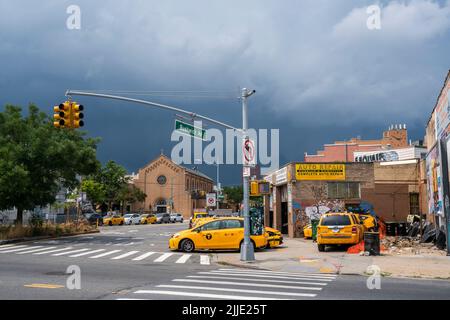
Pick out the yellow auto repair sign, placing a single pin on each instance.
(318, 171)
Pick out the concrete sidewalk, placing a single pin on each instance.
(299, 255)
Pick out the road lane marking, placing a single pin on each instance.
(21, 249)
(240, 290)
(86, 253)
(301, 274)
(105, 254)
(143, 256)
(248, 284)
(204, 259)
(305, 278)
(257, 280)
(44, 286)
(163, 257)
(35, 250)
(124, 255)
(203, 295)
(51, 251)
(69, 252)
(184, 258)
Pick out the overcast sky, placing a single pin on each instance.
(320, 74)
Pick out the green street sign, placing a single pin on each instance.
(190, 130)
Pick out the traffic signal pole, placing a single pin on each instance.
(247, 251)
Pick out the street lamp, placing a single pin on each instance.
(247, 250)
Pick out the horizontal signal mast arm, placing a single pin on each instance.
(149, 103)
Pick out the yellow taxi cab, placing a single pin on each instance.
(113, 220)
(274, 237)
(198, 215)
(307, 231)
(217, 234)
(148, 219)
(342, 228)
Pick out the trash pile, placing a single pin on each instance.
(415, 243)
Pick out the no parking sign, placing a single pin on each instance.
(211, 199)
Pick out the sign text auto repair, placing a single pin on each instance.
(319, 171)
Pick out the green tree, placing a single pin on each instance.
(113, 179)
(234, 195)
(37, 159)
(130, 194)
(95, 191)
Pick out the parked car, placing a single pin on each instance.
(93, 218)
(196, 216)
(132, 218)
(162, 218)
(341, 228)
(217, 234)
(176, 217)
(113, 220)
(274, 237)
(148, 219)
(307, 231)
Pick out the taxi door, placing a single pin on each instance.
(232, 233)
(210, 236)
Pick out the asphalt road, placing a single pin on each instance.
(134, 262)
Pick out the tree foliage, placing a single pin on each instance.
(36, 159)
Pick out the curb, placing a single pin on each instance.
(9, 241)
(240, 265)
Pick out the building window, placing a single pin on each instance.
(343, 190)
(414, 207)
(162, 179)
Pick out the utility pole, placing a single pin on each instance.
(247, 250)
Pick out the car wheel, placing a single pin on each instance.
(121, 223)
(187, 245)
(145, 222)
(321, 247)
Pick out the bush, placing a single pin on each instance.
(40, 228)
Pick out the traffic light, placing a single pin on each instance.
(62, 115)
(259, 188)
(77, 115)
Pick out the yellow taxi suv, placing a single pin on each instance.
(274, 237)
(148, 219)
(115, 220)
(217, 234)
(338, 229)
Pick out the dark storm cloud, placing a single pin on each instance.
(320, 74)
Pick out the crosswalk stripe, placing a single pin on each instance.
(21, 249)
(7, 246)
(86, 253)
(105, 254)
(248, 284)
(203, 295)
(51, 251)
(267, 276)
(258, 280)
(143, 256)
(204, 259)
(163, 257)
(69, 252)
(35, 250)
(253, 271)
(124, 255)
(184, 258)
(240, 290)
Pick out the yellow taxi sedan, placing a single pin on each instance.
(218, 234)
(274, 237)
(115, 220)
(307, 231)
(338, 229)
(148, 219)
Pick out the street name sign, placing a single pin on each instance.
(190, 130)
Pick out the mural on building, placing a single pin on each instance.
(434, 185)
